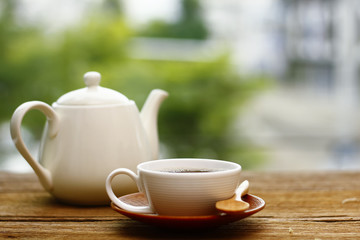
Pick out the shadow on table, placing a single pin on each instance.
(243, 228)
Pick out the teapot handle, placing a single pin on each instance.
(15, 129)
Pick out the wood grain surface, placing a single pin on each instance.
(299, 205)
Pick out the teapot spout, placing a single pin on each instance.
(148, 116)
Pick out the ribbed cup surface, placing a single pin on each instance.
(172, 193)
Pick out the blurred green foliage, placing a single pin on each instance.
(189, 25)
(195, 121)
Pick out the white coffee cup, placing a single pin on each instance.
(175, 187)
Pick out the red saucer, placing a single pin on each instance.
(138, 199)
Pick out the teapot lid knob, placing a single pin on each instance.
(92, 79)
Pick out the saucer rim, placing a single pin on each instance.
(187, 221)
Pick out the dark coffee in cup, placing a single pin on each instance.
(190, 170)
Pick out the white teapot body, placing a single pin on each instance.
(81, 145)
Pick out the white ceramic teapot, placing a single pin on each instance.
(90, 132)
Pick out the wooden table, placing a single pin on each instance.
(299, 205)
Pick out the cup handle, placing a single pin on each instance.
(116, 200)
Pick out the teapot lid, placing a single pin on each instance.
(92, 94)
